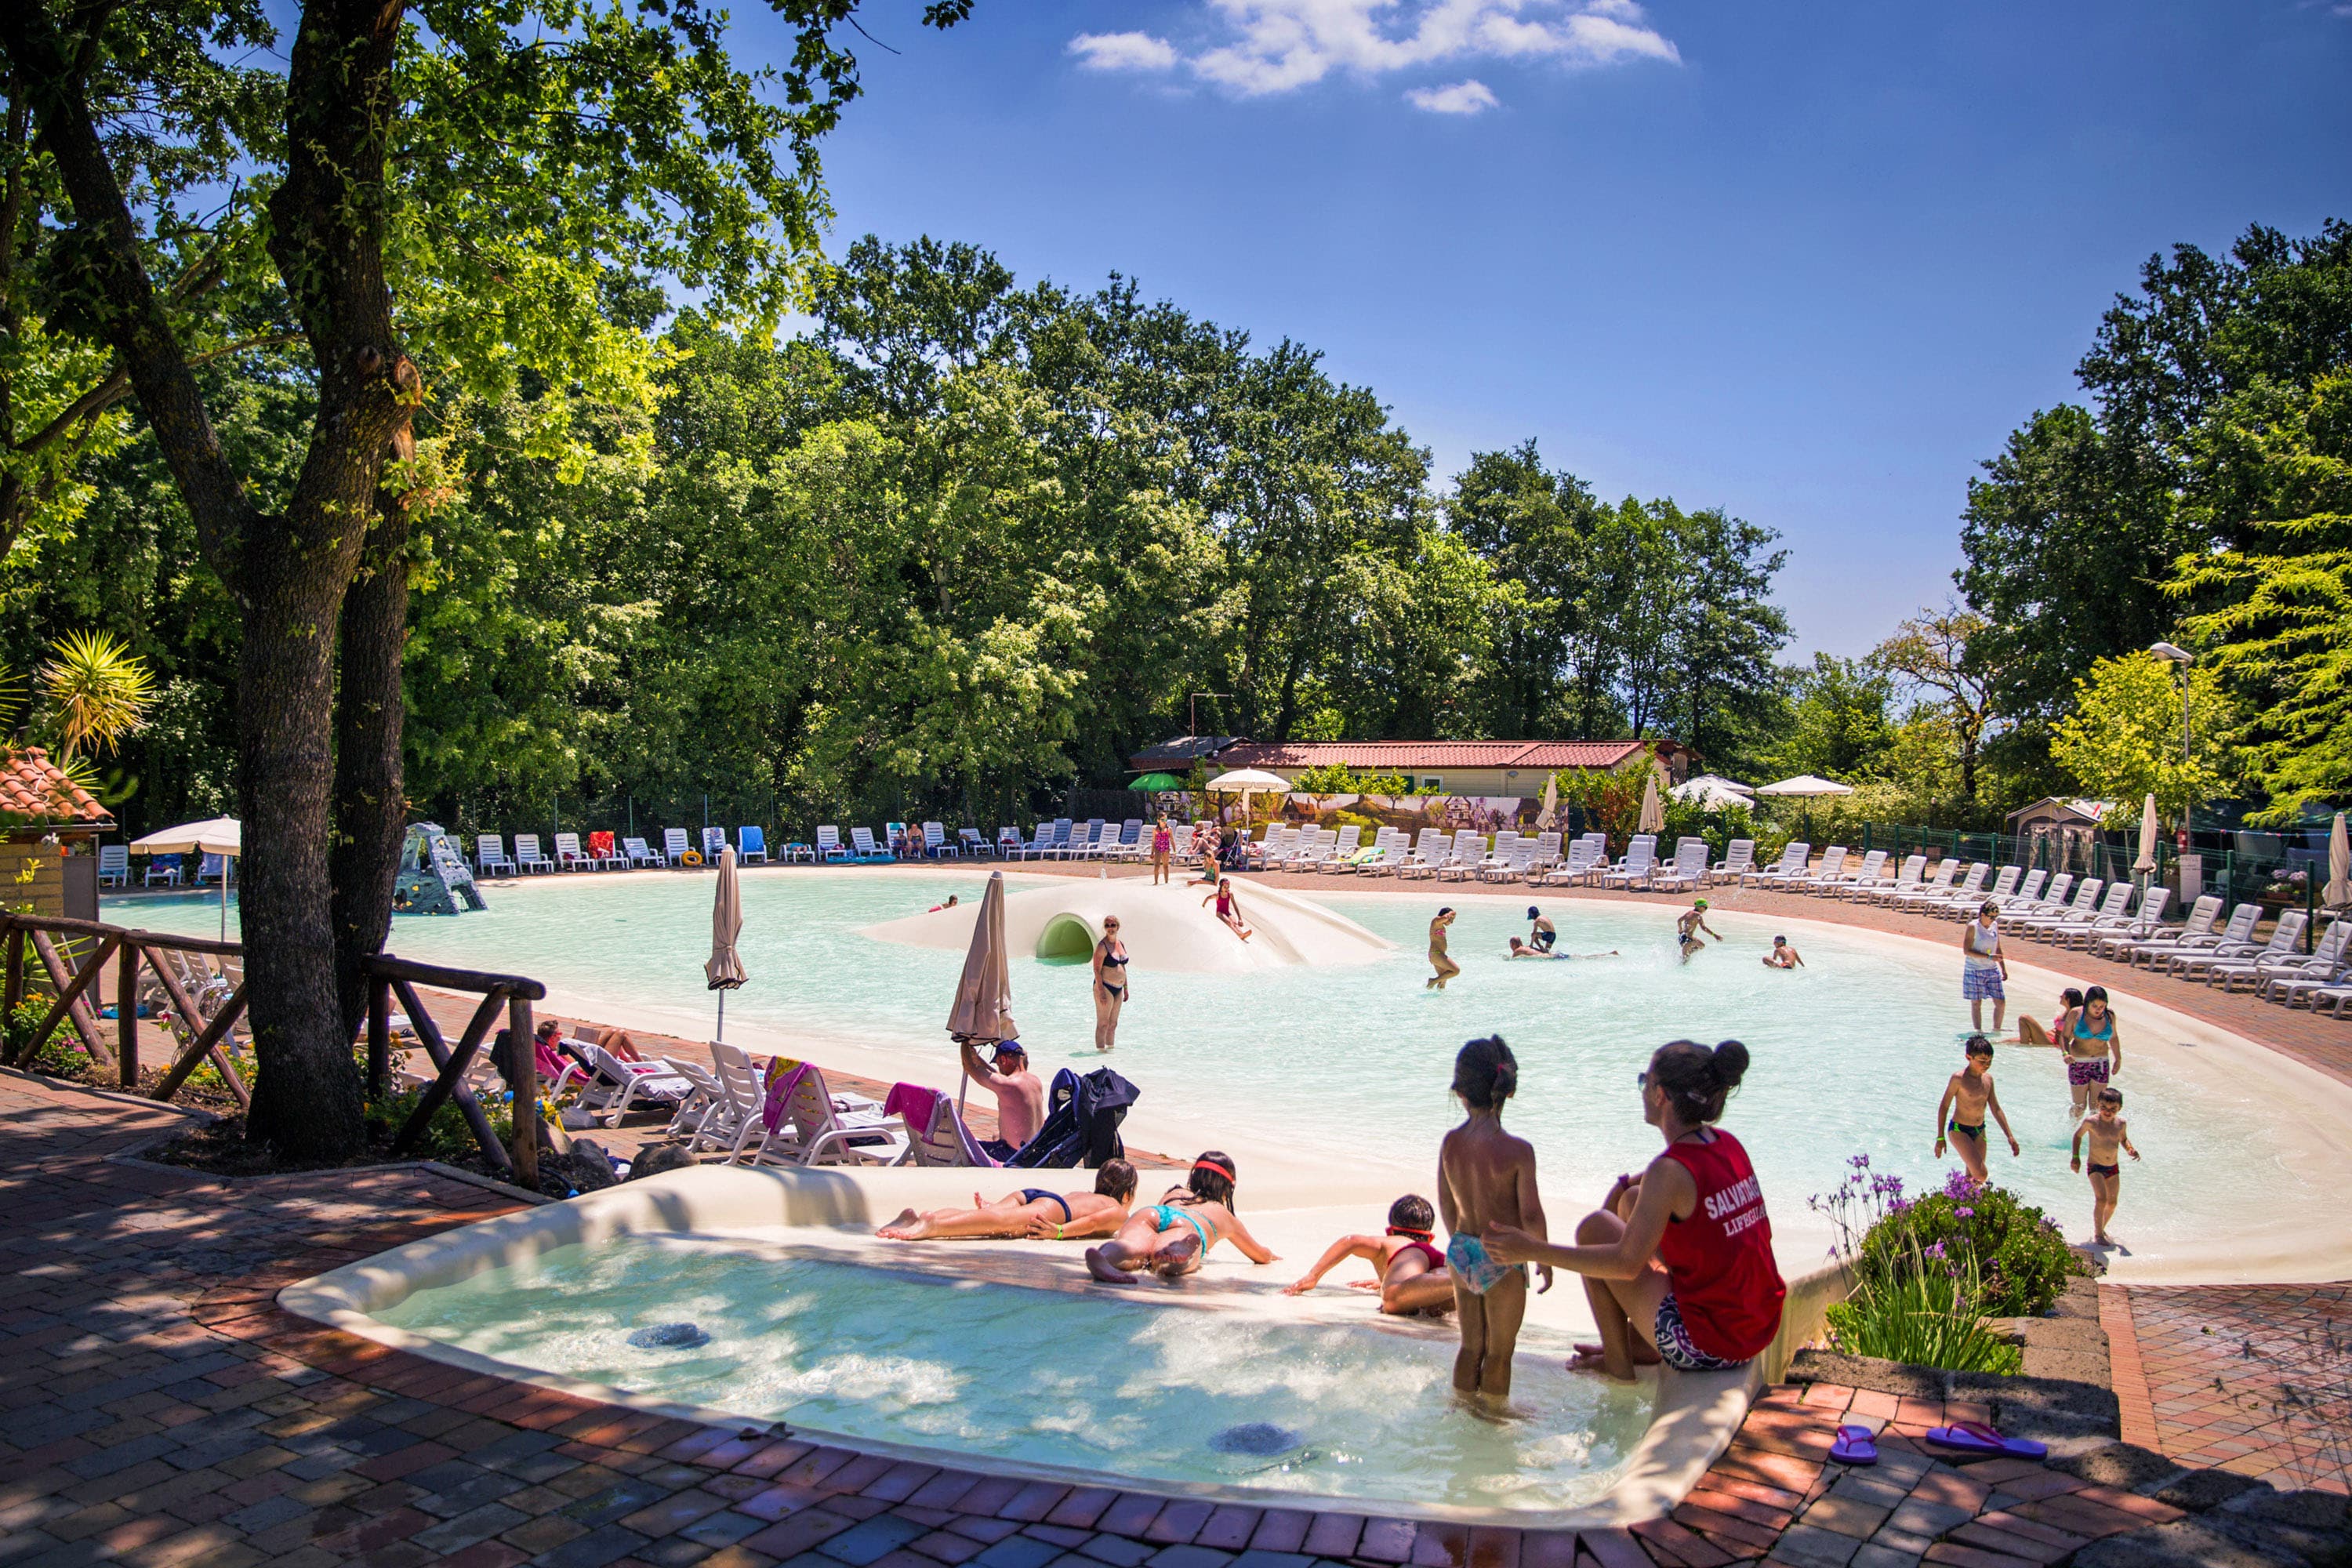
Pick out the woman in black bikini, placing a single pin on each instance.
(1110, 985)
(1033, 1213)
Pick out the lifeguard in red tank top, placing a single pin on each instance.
(1719, 1259)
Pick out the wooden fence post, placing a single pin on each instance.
(126, 1015)
(522, 1059)
(12, 990)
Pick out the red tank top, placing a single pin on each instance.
(1719, 1259)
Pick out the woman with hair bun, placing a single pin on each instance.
(1678, 1263)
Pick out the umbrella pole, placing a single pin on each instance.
(722, 1018)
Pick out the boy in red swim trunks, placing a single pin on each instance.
(1412, 1277)
(2107, 1132)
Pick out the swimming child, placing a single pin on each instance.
(1221, 889)
(2030, 1031)
(1694, 919)
(2095, 1050)
(2108, 1132)
(1033, 1213)
(1412, 1278)
(1438, 960)
(1543, 933)
(1522, 950)
(1961, 1112)
(1487, 1177)
(1200, 1214)
(1782, 955)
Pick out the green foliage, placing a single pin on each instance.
(2123, 740)
(1917, 1314)
(1339, 778)
(2016, 1255)
(2275, 615)
(446, 1137)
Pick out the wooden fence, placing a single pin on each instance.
(76, 955)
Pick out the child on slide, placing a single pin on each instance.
(1487, 1177)
(1172, 1237)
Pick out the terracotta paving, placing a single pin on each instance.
(159, 1409)
(2251, 1378)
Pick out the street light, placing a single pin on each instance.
(2172, 654)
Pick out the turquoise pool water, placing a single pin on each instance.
(1106, 1386)
(1350, 1066)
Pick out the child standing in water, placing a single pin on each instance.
(1967, 1097)
(1486, 1177)
(2108, 1132)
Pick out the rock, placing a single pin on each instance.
(2080, 1299)
(2309, 1510)
(2295, 1541)
(658, 1158)
(2197, 1491)
(2126, 1467)
(2042, 1407)
(2183, 1543)
(669, 1336)
(1866, 1372)
(2082, 1335)
(589, 1166)
(2090, 1367)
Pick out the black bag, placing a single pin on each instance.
(1082, 1119)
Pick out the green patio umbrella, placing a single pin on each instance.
(1157, 782)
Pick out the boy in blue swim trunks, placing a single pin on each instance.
(1485, 1177)
(1033, 1213)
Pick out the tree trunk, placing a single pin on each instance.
(371, 802)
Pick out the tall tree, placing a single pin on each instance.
(475, 187)
(1939, 653)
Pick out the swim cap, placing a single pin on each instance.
(1534, 914)
(1700, 905)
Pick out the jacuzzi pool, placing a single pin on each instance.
(1149, 1388)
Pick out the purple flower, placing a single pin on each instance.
(1966, 1213)
(1935, 1249)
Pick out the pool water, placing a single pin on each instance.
(1350, 1066)
(1045, 1377)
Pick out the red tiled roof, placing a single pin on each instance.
(1404, 756)
(32, 790)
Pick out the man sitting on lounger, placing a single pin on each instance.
(1033, 1213)
(1020, 1098)
(1412, 1277)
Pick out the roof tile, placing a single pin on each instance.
(32, 790)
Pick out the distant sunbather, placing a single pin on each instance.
(1522, 950)
(1033, 1213)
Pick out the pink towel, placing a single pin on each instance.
(918, 1104)
(783, 1075)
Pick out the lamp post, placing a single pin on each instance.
(1192, 708)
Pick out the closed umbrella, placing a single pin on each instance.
(1654, 816)
(725, 970)
(221, 835)
(983, 999)
(1548, 817)
(2339, 866)
(2148, 832)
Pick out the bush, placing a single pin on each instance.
(1917, 1314)
(2020, 1260)
(446, 1137)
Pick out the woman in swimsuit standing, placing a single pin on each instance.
(1984, 968)
(1201, 1214)
(2094, 1049)
(1111, 984)
(1677, 1264)
(1438, 960)
(1163, 844)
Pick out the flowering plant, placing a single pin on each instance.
(1917, 1298)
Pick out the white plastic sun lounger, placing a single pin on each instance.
(2322, 966)
(1792, 860)
(1738, 860)
(1905, 877)
(526, 855)
(2237, 936)
(1802, 880)
(1685, 872)
(2086, 898)
(1873, 867)
(2283, 938)
(1968, 890)
(1946, 869)
(2124, 945)
(1469, 851)
(490, 856)
(2112, 916)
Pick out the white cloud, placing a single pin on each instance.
(1123, 51)
(1462, 98)
(1261, 46)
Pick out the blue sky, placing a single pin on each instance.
(1808, 262)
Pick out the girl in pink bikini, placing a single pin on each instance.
(1412, 1277)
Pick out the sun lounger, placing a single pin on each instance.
(526, 855)
(1792, 861)
(2236, 936)
(1469, 853)
(675, 846)
(969, 842)
(714, 844)
(2113, 915)
(2322, 966)
(2124, 945)
(569, 856)
(2284, 937)
(1941, 882)
(864, 850)
(1927, 899)
(1831, 868)
(1963, 906)
(935, 844)
(490, 856)
(824, 1135)
(163, 868)
(1686, 872)
(936, 1133)
(1634, 868)
(752, 846)
(640, 853)
(1873, 868)
(1738, 860)
(613, 1087)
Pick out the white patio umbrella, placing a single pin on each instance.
(1804, 787)
(1714, 793)
(982, 1011)
(1248, 782)
(1548, 817)
(1654, 815)
(2339, 866)
(2148, 832)
(724, 970)
(221, 835)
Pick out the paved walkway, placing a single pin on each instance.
(161, 1410)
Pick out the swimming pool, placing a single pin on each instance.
(1344, 1071)
(1080, 1383)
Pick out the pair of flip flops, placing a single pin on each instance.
(1858, 1445)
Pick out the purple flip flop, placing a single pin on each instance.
(1976, 1438)
(1854, 1446)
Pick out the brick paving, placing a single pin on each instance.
(160, 1409)
(2256, 1379)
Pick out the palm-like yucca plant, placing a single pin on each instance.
(96, 693)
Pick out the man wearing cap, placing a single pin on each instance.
(1694, 920)
(1020, 1098)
